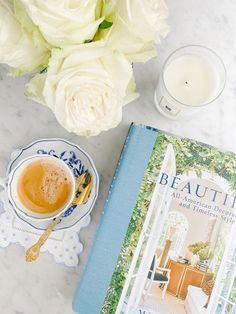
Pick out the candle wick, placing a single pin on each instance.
(186, 82)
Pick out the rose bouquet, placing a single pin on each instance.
(80, 53)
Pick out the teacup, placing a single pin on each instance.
(27, 194)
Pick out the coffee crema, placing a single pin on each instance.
(44, 186)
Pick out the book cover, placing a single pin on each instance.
(166, 242)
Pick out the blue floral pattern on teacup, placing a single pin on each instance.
(70, 158)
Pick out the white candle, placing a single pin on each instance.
(191, 80)
(192, 77)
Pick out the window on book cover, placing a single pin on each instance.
(147, 244)
(220, 245)
(226, 299)
(175, 229)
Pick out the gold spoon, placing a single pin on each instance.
(84, 187)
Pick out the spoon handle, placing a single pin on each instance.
(33, 252)
(43, 238)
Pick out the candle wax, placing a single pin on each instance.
(191, 80)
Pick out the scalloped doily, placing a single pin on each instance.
(63, 245)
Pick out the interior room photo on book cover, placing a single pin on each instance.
(178, 255)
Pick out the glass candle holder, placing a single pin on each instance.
(192, 77)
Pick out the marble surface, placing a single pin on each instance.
(45, 287)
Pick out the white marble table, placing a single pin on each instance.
(46, 287)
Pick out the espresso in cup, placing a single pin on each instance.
(44, 186)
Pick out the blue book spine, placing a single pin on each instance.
(92, 288)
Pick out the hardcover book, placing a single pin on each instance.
(166, 241)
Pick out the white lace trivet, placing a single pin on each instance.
(64, 245)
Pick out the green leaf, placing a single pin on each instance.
(44, 70)
(105, 24)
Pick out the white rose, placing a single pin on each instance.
(86, 87)
(146, 17)
(139, 25)
(9, 27)
(21, 45)
(65, 22)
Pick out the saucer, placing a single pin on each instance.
(78, 160)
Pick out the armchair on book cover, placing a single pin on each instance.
(157, 275)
